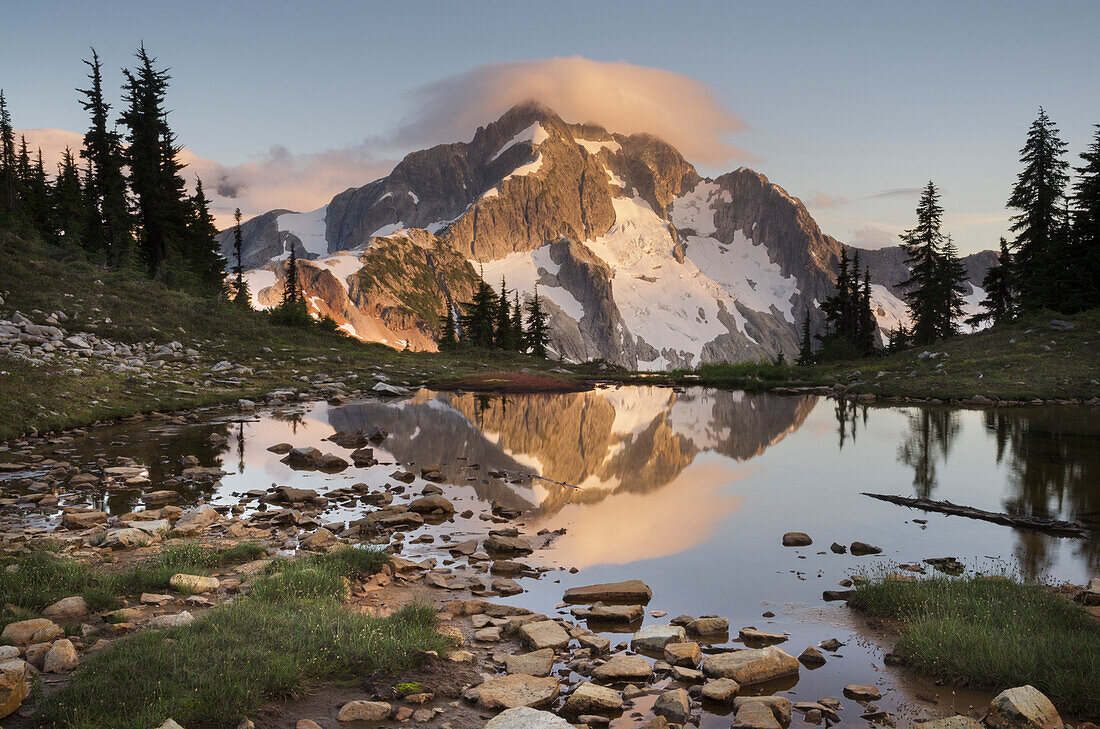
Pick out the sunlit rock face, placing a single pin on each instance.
(640, 260)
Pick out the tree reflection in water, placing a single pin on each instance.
(931, 434)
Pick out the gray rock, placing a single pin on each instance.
(524, 717)
(590, 698)
(751, 666)
(1023, 707)
(654, 637)
(624, 669)
(535, 663)
(674, 705)
(544, 634)
(507, 692)
(195, 520)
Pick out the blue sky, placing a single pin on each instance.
(842, 101)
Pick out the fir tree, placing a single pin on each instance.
(206, 261)
(867, 325)
(951, 285)
(806, 346)
(478, 323)
(517, 322)
(537, 335)
(240, 287)
(1037, 196)
(292, 290)
(922, 247)
(108, 227)
(7, 158)
(69, 212)
(1085, 252)
(502, 323)
(38, 198)
(999, 304)
(850, 324)
(449, 339)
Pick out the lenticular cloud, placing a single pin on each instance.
(620, 96)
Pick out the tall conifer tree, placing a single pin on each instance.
(537, 336)
(68, 201)
(1085, 254)
(999, 304)
(922, 246)
(240, 287)
(7, 158)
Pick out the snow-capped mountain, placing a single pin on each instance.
(642, 261)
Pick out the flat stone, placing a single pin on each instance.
(432, 504)
(616, 613)
(708, 626)
(35, 630)
(687, 654)
(82, 519)
(175, 620)
(859, 549)
(755, 715)
(365, 711)
(535, 663)
(1023, 707)
(780, 706)
(630, 592)
(319, 541)
(524, 717)
(591, 698)
(751, 666)
(654, 637)
(752, 635)
(624, 669)
(687, 675)
(497, 544)
(721, 690)
(674, 705)
(857, 692)
(506, 692)
(544, 634)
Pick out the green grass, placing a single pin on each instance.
(242, 655)
(993, 632)
(39, 577)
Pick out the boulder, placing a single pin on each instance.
(365, 711)
(535, 663)
(811, 657)
(128, 538)
(544, 634)
(302, 457)
(624, 669)
(858, 549)
(1023, 707)
(857, 692)
(708, 626)
(173, 620)
(319, 540)
(629, 592)
(82, 519)
(506, 692)
(193, 584)
(721, 690)
(497, 544)
(330, 462)
(797, 539)
(674, 705)
(294, 495)
(779, 706)
(67, 607)
(432, 505)
(195, 520)
(14, 675)
(755, 715)
(655, 637)
(35, 630)
(524, 717)
(62, 657)
(751, 666)
(590, 698)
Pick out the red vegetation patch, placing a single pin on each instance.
(511, 382)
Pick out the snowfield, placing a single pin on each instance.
(308, 227)
(534, 134)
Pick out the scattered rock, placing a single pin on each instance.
(687, 654)
(655, 637)
(752, 635)
(544, 634)
(751, 666)
(624, 669)
(35, 630)
(630, 592)
(674, 705)
(194, 521)
(535, 663)
(708, 626)
(68, 607)
(797, 539)
(62, 657)
(175, 620)
(1023, 707)
(365, 711)
(590, 698)
(193, 584)
(524, 717)
(14, 676)
(506, 692)
(859, 549)
(856, 692)
(721, 690)
(811, 657)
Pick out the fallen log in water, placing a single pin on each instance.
(1061, 528)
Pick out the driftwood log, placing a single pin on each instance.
(1054, 526)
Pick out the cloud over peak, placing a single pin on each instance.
(619, 96)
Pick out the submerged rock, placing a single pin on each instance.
(630, 592)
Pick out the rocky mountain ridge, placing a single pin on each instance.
(642, 262)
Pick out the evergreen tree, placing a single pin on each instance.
(153, 158)
(806, 346)
(478, 323)
(899, 339)
(537, 335)
(951, 284)
(1084, 258)
(1037, 195)
(38, 197)
(69, 212)
(240, 286)
(292, 289)
(108, 226)
(449, 339)
(867, 326)
(502, 322)
(7, 158)
(517, 323)
(999, 303)
(850, 324)
(206, 259)
(922, 246)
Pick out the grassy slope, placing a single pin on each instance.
(993, 633)
(35, 276)
(1006, 362)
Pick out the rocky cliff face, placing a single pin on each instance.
(642, 262)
